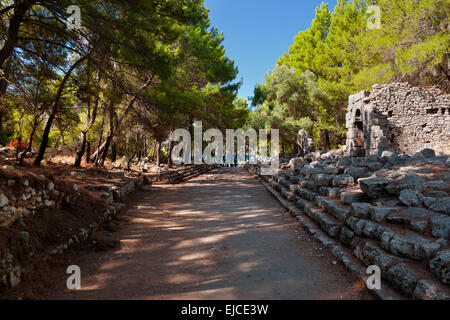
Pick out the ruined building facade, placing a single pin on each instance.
(398, 117)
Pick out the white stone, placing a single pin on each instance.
(3, 200)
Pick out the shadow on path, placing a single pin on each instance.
(219, 236)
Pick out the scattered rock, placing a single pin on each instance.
(411, 198)
(440, 266)
(373, 186)
(441, 205)
(402, 278)
(409, 181)
(440, 226)
(342, 180)
(361, 210)
(427, 153)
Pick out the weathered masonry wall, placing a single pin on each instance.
(398, 117)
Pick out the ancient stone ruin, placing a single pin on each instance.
(398, 117)
(384, 200)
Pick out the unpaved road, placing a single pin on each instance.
(219, 236)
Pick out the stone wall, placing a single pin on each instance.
(398, 117)
(28, 201)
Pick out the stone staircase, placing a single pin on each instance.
(366, 213)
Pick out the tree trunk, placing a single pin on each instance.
(139, 155)
(153, 154)
(30, 144)
(169, 158)
(105, 150)
(327, 139)
(130, 160)
(158, 153)
(55, 110)
(88, 152)
(44, 142)
(99, 151)
(113, 152)
(20, 10)
(80, 153)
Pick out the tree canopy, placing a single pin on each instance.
(340, 56)
(120, 83)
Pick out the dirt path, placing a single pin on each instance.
(219, 236)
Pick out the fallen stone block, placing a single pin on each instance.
(402, 278)
(329, 192)
(293, 163)
(358, 173)
(427, 153)
(378, 214)
(373, 186)
(440, 266)
(323, 180)
(353, 196)
(409, 181)
(425, 290)
(373, 230)
(413, 246)
(285, 183)
(441, 205)
(343, 180)
(411, 198)
(361, 210)
(440, 226)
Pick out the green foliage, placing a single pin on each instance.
(147, 68)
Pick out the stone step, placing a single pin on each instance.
(328, 223)
(419, 220)
(411, 278)
(308, 184)
(336, 208)
(398, 252)
(330, 192)
(294, 179)
(307, 194)
(400, 242)
(349, 197)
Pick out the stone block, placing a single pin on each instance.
(402, 278)
(373, 186)
(352, 197)
(343, 180)
(440, 266)
(440, 226)
(361, 210)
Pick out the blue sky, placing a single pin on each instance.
(257, 33)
